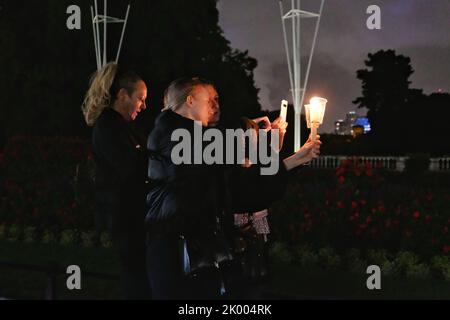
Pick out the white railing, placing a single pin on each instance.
(440, 164)
(390, 163)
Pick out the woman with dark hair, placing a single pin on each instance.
(114, 99)
(189, 203)
(252, 228)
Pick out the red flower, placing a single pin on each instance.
(341, 180)
(363, 202)
(387, 223)
(374, 231)
(369, 219)
(346, 163)
(446, 249)
(340, 205)
(369, 173)
(354, 204)
(381, 209)
(416, 215)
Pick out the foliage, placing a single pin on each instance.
(397, 113)
(401, 264)
(381, 96)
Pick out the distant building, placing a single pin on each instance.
(351, 117)
(339, 127)
(345, 127)
(363, 122)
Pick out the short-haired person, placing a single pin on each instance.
(114, 99)
(189, 202)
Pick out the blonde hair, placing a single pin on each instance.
(178, 91)
(103, 88)
(98, 96)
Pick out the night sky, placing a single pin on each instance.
(419, 29)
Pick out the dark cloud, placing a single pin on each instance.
(419, 29)
(327, 79)
(431, 67)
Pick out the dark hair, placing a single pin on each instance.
(124, 79)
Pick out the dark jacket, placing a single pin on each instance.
(190, 197)
(121, 173)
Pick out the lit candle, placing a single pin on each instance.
(315, 111)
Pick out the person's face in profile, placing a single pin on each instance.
(215, 117)
(204, 102)
(136, 102)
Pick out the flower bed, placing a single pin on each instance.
(358, 207)
(47, 183)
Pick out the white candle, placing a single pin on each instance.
(316, 111)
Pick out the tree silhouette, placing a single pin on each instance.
(385, 88)
(46, 67)
(403, 120)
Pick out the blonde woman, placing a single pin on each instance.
(114, 99)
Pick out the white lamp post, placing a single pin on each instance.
(297, 82)
(97, 20)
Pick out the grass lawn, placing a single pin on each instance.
(24, 284)
(294, 283)
(286, 281)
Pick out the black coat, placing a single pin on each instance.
(121, 173)
(189, 197)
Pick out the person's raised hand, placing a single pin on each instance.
(279, 124)
(263, 122)
(309, 151)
